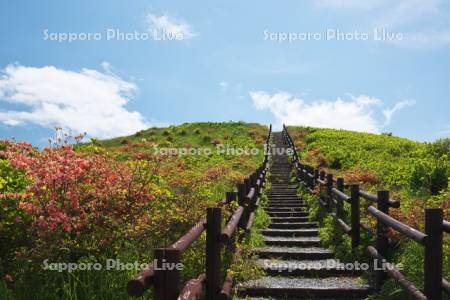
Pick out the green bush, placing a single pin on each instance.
(431, 175)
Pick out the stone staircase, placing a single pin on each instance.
(296, 265)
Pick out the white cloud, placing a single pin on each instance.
(86, 101)
(354, 114)
(170, 25)
(388, 113)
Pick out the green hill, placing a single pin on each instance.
(121, 197)
(410, 169)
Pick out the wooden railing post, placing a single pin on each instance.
(329, 193)
(248, 184)
(321, 177)
(316, 176)
(382, 240)
(311, 179)
(355, 215)
(433, 253)
(213, 230)
(340, 204)
(242, 192)
(247, 203)
(230, 197)
(307, 178)
(304, 178)
(167, 282)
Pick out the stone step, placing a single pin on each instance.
(286, 202)
(290, 204)
(292, 241)
(283, 185)
(276, 191)
(292, 225)
(287, 197)
(290, 232)
(289, 219)
(270, 209)
(283, 192)
(280, 252)
(287, 287)
(288, 214)
(311, 268)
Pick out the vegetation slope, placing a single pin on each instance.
(416, 174)
(112, 199)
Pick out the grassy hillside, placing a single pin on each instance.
(410, 169)
(112, 199)
(415, 173)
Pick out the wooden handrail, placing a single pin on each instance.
(229, 229)
(192, 235)
(446, 226)
(410, 232)
(396, 274)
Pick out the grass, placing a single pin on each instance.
(185, 186)
(415, 173)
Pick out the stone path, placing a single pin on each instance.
(297, 266)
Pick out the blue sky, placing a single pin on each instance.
(228, 62)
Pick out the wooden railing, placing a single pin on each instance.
(166, 283)
(332, 196)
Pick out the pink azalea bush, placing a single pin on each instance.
(72, 200)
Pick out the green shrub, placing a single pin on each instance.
(431, 175)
